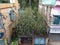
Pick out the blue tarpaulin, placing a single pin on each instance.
(38, 41)
(11, 15)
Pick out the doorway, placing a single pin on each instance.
(26, 40)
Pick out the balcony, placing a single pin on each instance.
(55, 29)
(55, 26)
(57, 3)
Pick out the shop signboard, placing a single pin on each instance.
(54, 30)
(48, 2)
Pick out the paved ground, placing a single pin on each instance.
(26, 44)
(54, 39)
(54, 43)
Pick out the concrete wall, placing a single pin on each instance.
(45, 10)
(8, 24)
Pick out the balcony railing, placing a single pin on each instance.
(54, 30)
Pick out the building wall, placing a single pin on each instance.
(45, 10)
(8, 24)
(54, 29)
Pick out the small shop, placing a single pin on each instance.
(25, 40)
(32, 41)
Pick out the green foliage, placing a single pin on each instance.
(31, 22)
(5, 41)
(26, 22)
(27, 3)
(14, 41)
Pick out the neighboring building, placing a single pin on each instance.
(55, 22)
(8, 13)
(52, 16)
(45, 9)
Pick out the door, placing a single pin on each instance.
(26, 40)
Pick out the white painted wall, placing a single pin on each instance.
(54, 30)
(12, 1)
(57, 3)
(54, 12)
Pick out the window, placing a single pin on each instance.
(1, 34)
(56, 19)
(1, 24)
(7, 1)
(2, 42)
(4, 1)
(11, 15)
